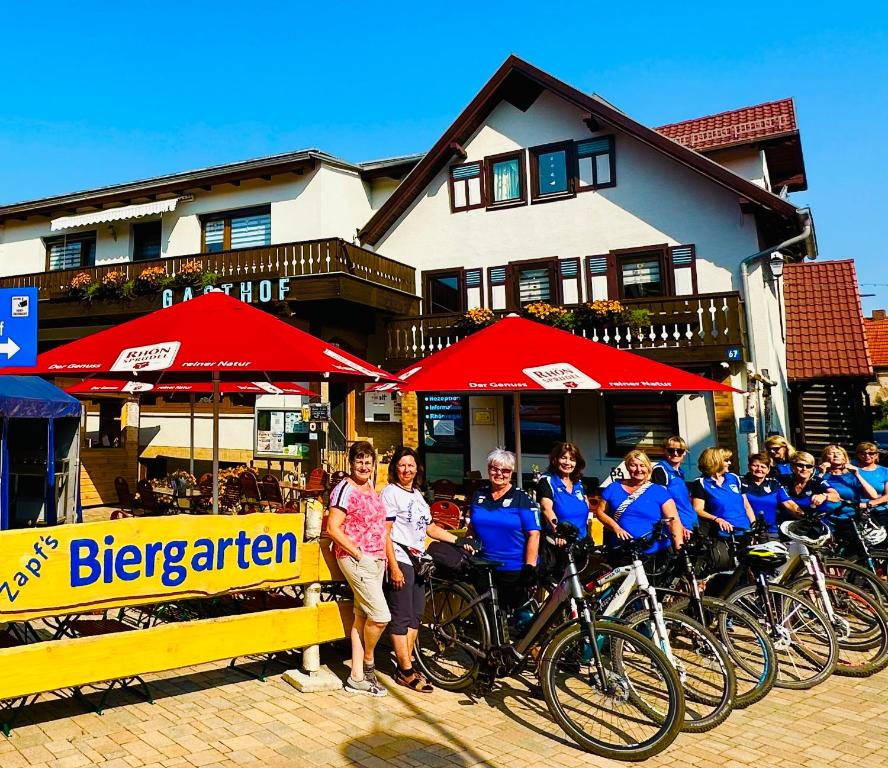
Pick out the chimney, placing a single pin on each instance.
(878, 314)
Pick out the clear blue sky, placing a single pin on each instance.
(98, 93)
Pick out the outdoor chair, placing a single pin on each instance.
(230, 496)
(204, 502)
(250, 491)
(125, 498)
(273, 494)
(447, 514)
(150, 502)
(445, 489)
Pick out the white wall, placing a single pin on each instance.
(655, 201)
(746, 161)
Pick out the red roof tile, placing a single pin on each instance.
(877, 340)
(739, 126)
(824, 322)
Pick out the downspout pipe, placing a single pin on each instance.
(806, 232)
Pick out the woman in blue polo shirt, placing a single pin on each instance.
(717, 494)
(507, 523)
(780, 451)
(806, 490)
(560, 492)
(634, 505)
(875, 474)
(668, 473)
(848, 481)
(764, 492)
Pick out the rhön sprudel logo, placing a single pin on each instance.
(561, 376)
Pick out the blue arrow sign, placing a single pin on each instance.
(18, 327)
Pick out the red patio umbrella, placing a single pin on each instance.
(209, 338)
(519, 355)
(114, 386)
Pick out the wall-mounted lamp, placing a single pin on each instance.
(776, 262)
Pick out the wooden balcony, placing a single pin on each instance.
(698, 328)
(322, 269)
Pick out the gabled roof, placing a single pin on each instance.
(738, 126)
(877, 340)
(771, 126)
(173, 184)
(825, 337)
(520, 83)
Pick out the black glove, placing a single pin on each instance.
(529, 575)
(468, 542)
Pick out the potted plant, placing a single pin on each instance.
(111, 286)
(598, 314)
(475, 319)
(79, 285)
(188, 274)
(557, 317)
(149, 280)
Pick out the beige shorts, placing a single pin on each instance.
(365, 579)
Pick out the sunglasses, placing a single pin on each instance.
(676, 451)
(776, 447)
(803, 466)
(867, 453)
(499, 471)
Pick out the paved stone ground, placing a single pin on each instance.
(211, 716)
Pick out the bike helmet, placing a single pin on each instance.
(813, 533)
(871, 533)
(767, 556)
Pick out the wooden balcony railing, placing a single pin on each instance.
(313, 257)
(700, 326)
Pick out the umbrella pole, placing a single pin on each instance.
(516, 420)
(191, 435)
(215, 442)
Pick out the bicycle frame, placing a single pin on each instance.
(800, 554)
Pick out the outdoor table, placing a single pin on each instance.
(190, 495)
(292, 492)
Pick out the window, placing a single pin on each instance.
(146, 241)
(109, 424)
(639, 421)
(542, 423)
(550, 171)
(443, 292)
(641, 275)
(237, 229)
(505, 179)
(465, 187)
(71, 251)
(596, 166)
(534, 284)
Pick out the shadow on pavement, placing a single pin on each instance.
(378, 745)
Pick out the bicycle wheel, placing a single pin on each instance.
(805, 643)
(857, 576)
(703, 666)
(860, 624)
(453, 634)
(633, 714)
(747, 644)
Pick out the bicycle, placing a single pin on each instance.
(747, 643)
(806, 646)
(703, 664)
(608, 687)
(857, 542)
(860, 623)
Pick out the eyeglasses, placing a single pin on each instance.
(676, 451)
(803, 466)
(867, 453)
(499, 471)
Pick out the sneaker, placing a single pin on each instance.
(367, 686)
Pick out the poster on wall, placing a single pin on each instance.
(280, 433)
(382, 406)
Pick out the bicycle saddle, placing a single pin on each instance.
(478, 561)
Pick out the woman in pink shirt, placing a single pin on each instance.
(357, 526)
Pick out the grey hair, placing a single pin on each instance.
(502, 457)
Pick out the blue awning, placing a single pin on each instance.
(30, 397)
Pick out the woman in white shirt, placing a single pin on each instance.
(409, 522)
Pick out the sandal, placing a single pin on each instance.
(415, 682)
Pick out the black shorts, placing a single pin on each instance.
(407, 603)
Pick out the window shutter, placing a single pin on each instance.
(472, 278)
(593, 146)
(497, 278)
(599, 278)
(569, 273)
(683, 270)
